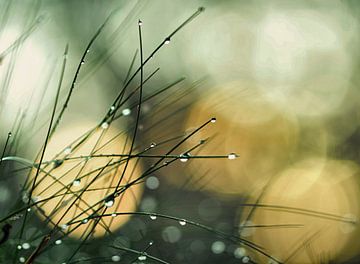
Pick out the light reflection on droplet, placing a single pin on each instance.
(153, 217)
(184, 157)
(126, 112)
(25, 245)
(104, 125)
(109, 201)
(35, 198)
(67, 151)
(76, 182)
(232, 156)
(182, 222)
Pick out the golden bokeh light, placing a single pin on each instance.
(248, 125)
(320, 197)
(69, 175)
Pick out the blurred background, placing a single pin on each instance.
(282, 80)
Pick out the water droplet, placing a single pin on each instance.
(151, 243)
(113, 215)
(25, 245)
(182, 222)
(184, 157)
(64, 226)
(167, 41)
(19, 247)
(232, 156)
(84, 221)
(22, 259)
(29, 209)
(142, 258)
(153, 217)
(126, 112)
(58, 163)
(83, 62)
(109, 201)
(105, 125)
(35, 198)
(115, 258)
(152, 145)
(140, 23)
(213, 120)
(112, 108)
(58, 242)
(67, 151)
(76, 182)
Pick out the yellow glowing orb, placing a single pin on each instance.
(69, 172)
(264, 138)
(327, 230)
